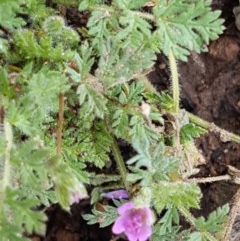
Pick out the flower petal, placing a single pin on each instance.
(75, 197)
(117, 194)
(134, 222)
(132, 237)
(118, 226)
(125, 207)
(149, 216)
(145, 233)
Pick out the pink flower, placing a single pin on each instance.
(75, 197)
(117, 194)
(77, 193)
(134, 222)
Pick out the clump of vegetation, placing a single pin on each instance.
(69, 96)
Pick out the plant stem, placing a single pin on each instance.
(120, 164)
(232, 216)
(175, 81)
(69, 3)
(224, 135)
(191, 219)
(145, 15)
(60, 123)
(176, 97)
(210, 179)
(8, 136)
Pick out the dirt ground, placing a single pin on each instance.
(210, 86)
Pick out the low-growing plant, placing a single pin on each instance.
(71, 96)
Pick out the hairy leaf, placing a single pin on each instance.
(9, 10)
(186, 25)
(190, 131)
(129, 4)
(104, 218)
(215, 221)
(94, 100)
(175, 194)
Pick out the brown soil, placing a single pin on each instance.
(210, 84)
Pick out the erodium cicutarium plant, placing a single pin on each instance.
(72, 96)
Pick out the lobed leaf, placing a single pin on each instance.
(94, 100)
(186, 25)
(176, 195)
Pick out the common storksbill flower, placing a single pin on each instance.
(134, 222)
(117, 194)
(77, 193)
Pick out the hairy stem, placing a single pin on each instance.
(224, 135)
(8, 136)
(175, 81)
(176, 97)
(232, 216)
(8, 146)
(8, 139)
(210, 179)
(60, 123)
(120, 164)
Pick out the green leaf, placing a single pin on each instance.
(19, 117)
(196, 236)
(9, 11)
(163, 165)
(10, 231)
(168, 220)
(140, 130)
(131, 94)
(85, 4)
(167, 194)
(96, 145)
(105, 218)
(143, 158)
(129, 4)
(164, 100)
(94, 100)
(3, 45)
(157, 164)
(84, 61)
(142, 177)
(23, 214)
(37, 11)
(121, 123)
(45, 197)
(53, 25)
(215, 221)
(96, 195)
(98, 179)
(174, 234)
(100, 25)
(190, 131)
(5, 88)
(48, 45)
(62, 195)
(136, 31)
(186, 25)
